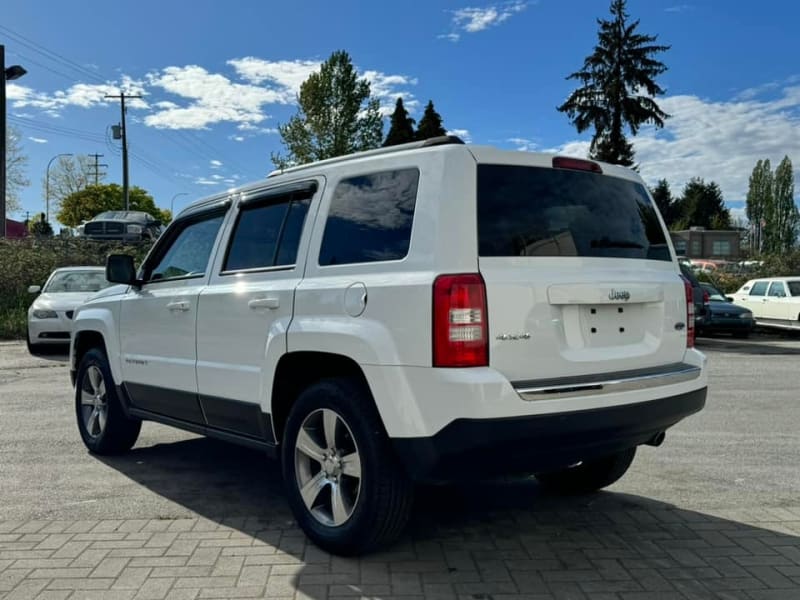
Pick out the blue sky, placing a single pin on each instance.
(217, 78)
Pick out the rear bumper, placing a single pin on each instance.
(467, 448)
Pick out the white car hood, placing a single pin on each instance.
(61, 301)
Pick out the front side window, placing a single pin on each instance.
(759, 288)
(534, 211)
(777, 289)
(370, 218)
(187, 253)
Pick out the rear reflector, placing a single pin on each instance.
(687, 286)
(576, 164)
(460, 328)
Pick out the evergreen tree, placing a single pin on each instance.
(662, 196)
(623, 64)
(430, 125)
(336, 115)
(401, 130)
(702, 206)
(782, 216)
(40, 227)
(759, 200)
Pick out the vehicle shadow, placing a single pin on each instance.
(749, 346)
(485, 538)
(53, 353)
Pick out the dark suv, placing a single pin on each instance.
(123, 225)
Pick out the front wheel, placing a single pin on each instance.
(344, 485)
(588, 476)
(102, 423)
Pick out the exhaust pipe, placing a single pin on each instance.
(657, 439)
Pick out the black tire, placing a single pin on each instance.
(119, 433)
(588, 476)
(33, 349)
(382, 505)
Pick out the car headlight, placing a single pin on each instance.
(45, 314)
(746, 315)
(134, 229)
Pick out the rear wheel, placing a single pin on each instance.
(588, 476)
(344, 485)
(102, 422)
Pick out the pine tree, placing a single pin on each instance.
(662, 196)
(622, 64)
(702, 206)
(430, 125)
(401, 129)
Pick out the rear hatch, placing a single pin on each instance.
(579, 275)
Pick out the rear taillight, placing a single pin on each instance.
(460, 321)
(687, 286)
(706, 298)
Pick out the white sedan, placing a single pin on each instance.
(774, 301)
(50, 315)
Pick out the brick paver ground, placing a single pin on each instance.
(603, 547)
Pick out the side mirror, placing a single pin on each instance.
(729, 298)
(120, 269)
(34, 289)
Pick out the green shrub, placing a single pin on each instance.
(30, 261)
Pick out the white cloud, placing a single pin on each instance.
(206, 181)
(523, 144)
(285, 75)
(215, 164)
(679, 8)
(462, 133)
(38, 140)
(82, 95)
(387, 88)
(474, 19)
(237, 138)
(717, 140)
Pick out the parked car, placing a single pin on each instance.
(427, 312)
(123, 225)
(722, 316)
(50, 314)
(699, 297)
(774, 301)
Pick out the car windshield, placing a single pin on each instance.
(76, 281)
(124, 215)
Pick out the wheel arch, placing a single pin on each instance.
(298, 370)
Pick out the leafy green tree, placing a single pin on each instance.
(759, 201)
(702, 206)
(781, 214)
(401, 129)
(662, 196)
(69, 174)
(618, 87)
(16, 162)
(83, 205)
(430, 125)
(336, 115)
(40, 227)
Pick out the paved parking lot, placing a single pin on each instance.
(713, 513)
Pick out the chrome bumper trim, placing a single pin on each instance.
(613, 383)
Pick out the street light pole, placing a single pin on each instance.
(172, 203)
(47, 187)
(9, 74)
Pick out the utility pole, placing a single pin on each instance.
(124, 136)
(9, 74)
(97, 166)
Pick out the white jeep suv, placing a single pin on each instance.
(423, 313)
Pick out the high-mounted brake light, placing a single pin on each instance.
(576, 164)
(460, 323)
(687, 286)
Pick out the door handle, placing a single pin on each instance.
(181, 305)
(271, 303)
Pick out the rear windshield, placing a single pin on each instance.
(534, 211)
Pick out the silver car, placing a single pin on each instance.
(50, 315)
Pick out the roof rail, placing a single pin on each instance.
(442, 140)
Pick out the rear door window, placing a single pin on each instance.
(777, 289)
(759, 288)
(535, 211)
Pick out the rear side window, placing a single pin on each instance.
(777, 289)
(759, 288)
(534, 211)
(794, 288)
(267, 232)
(370, 218)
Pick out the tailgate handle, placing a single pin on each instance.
(271, 303)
